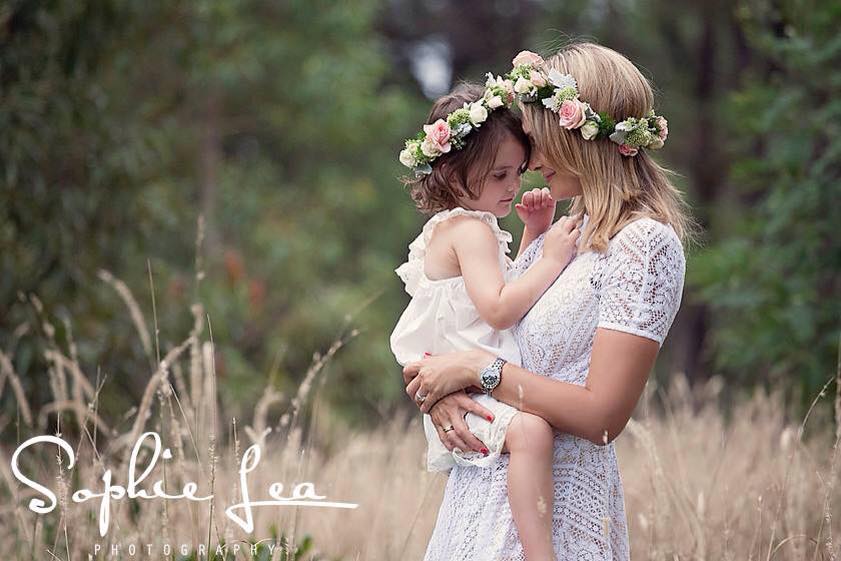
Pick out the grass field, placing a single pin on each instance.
(701, 482)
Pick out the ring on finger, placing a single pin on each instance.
(420, 398)
(448, 428)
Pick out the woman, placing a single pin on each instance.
(591, 340)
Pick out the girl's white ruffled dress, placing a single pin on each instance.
(440, 318)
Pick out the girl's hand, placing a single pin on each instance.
(537, 210)
(561, 239)
(432, 378)
(449, 412)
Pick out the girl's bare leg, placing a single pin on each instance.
(529, 441)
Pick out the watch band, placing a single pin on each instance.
(491, 375)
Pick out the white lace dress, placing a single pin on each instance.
(634, 287)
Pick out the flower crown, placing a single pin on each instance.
(449, 133)
(559, 93)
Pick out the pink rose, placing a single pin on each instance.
(572, 114)
(438, 135)
(628, 150)
(663, 125)
(537, 79)
(527, 57)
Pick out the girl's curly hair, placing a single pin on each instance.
(462, 172)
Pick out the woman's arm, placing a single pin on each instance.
(603, 405)
(640, 284)
(640, 287)
(599, 410)
(502, 304)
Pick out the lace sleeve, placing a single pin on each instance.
(525, 260)
(641, 281)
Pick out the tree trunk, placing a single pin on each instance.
(706, 172)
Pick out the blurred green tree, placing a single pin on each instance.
(279, 122)
(121, 123)
(773, 278)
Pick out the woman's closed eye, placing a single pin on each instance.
(500, 176)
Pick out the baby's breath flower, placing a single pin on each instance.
(458, 117)
(567, 92)
(638, 136)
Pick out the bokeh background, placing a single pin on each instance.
(279, 122)
(233, 166)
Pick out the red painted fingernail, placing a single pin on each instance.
(427, 354)
(489, 418)
(485, 451)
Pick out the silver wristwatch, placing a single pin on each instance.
(491, 375)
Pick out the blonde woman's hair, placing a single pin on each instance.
(615, 189)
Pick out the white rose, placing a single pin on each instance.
(429, 149)
(494, 101)
(656, 144)
(523, 86)
(407, 158)
(589, 130)
(478, 113)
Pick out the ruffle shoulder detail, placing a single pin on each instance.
(411, 272)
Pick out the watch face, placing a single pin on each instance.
(489, 377)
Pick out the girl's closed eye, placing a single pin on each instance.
(501, 175)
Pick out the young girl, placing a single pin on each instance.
(467, 172)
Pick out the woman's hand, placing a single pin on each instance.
(430, 379)
(449, 412)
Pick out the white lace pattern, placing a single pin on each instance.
(634, 287)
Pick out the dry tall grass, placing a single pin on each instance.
(697, 486)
